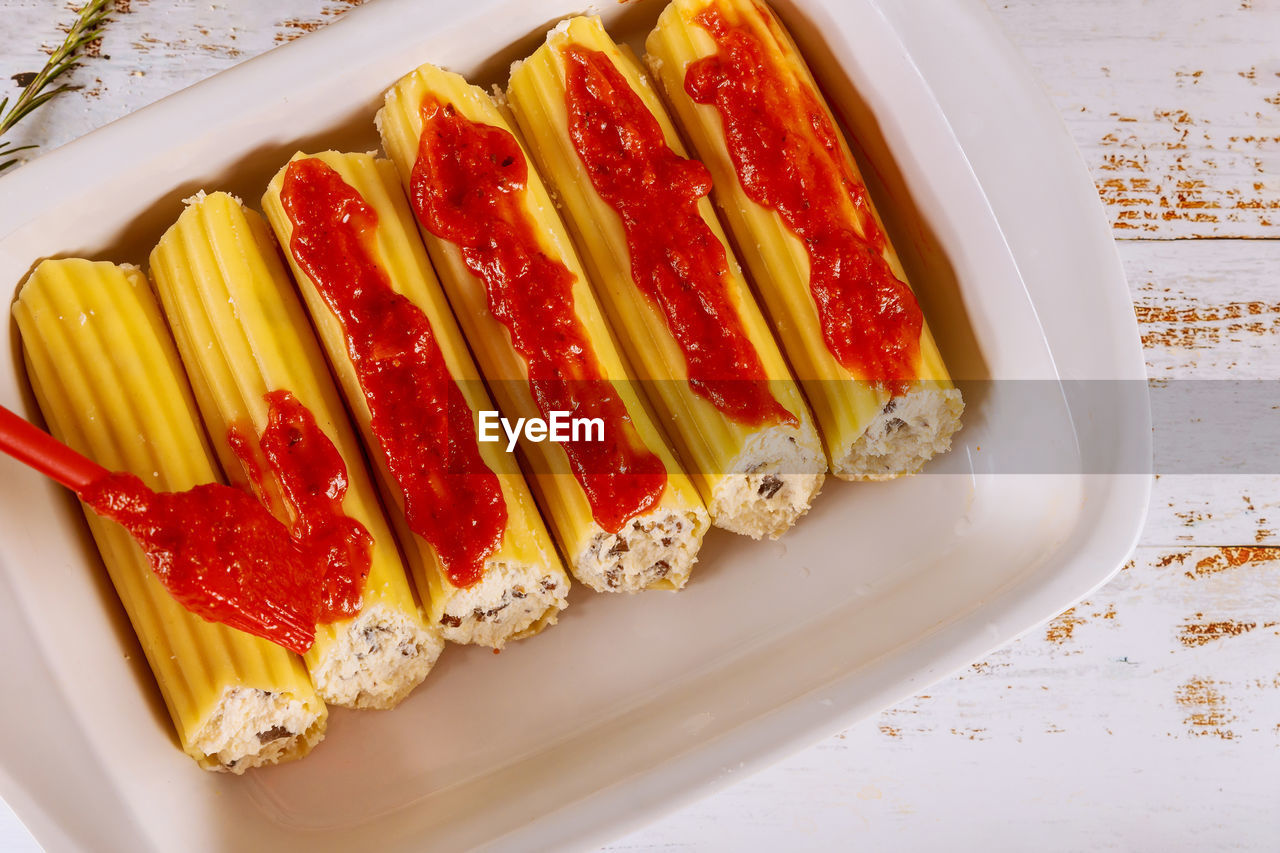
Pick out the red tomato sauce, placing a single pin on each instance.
(420, 417)
(676, 259)
(220, 554)
(787, 155)
(468, 187)
(312, 480)
(227, 559)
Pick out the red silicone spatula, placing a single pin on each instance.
(215, 548)
(33, 446)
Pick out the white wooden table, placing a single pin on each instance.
(1145, 718)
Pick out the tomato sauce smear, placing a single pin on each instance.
(677, 261)
(311, 477)
(786, 152)
(420, 417)
(468, 187)
(223, 555)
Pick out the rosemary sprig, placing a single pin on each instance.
(90, 22)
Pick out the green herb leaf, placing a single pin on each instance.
(89, 25)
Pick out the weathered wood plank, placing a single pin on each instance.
(1209, 310)
(151, 49)
(1174, 105)
(1207, 509)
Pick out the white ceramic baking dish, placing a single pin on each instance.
(632, 705)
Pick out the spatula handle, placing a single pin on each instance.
(32, 446)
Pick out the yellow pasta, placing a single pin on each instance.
(109, 383)
(756, 476)
(870, 431)
(654, 547)
(244, 337)
(523, 586)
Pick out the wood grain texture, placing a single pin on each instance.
(1209, 311)
(1175, 106)
(151, 49)
(1147, 717)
